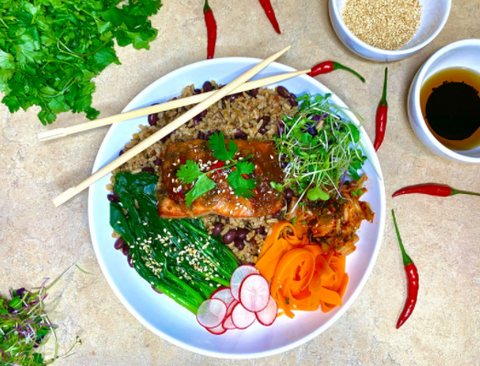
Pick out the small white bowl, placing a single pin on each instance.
(465, 54)
(434, 16)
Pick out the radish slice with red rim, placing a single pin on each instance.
(231, 306)
(225, 295)
(241, 317)
(211, 312)
(254, 293)
(268, 315)
(238, 276)
(217, 330)
(228, 324)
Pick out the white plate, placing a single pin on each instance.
(162, 315)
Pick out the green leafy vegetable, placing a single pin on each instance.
(50, 50)
(217, 144)
(176, 257)
(319, 148)
(242, 187)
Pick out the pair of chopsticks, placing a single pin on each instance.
(204, 101)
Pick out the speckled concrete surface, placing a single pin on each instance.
(442, 235)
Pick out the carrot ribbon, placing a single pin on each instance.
(302, 276)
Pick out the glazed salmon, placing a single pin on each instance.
(222, 199)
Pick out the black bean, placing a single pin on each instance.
(266, 120)
(283, 164)
(201, 135)
(149, 169)
(240, 135)
(253, 92)
(129, 259)
(261, 230)
(157, 290)
(262, 130)
(153, 118)
(239, 244)
(168, 136)
(203, 114)
(283, 92)
(125, 250)
(195, 121)
(121, 153)
(229, 236)
(207, 86)
(119, 243)
(242, 233)
(112, 198)
(197, 91)
(277, 214)
(288, 193)
(223, 217)
(217, 229)
(158, 162)
(292, 100)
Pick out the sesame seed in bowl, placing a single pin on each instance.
(388, 30)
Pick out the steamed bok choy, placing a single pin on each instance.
(177, 257)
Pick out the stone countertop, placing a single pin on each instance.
(441, 235)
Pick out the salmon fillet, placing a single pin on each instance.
(221, 200)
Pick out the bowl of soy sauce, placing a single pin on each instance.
(444, 102)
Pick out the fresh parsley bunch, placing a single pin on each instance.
(190, 172)
(51, 49)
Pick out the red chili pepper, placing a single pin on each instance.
(381, 118)
(329, 66)
(412, 280)
(217, 165)
(211, 29)
(267, 7)
(432, 190)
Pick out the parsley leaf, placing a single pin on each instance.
(50, 50)
(202, 186)
(217, 144)
(189, 172)
(242, 186)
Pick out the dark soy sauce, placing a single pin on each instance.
(450, 103)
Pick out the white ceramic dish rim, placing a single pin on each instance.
(380, 215)
(418, 82)
(400, 52)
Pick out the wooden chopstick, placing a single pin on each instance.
(149, 141)
(194, 99)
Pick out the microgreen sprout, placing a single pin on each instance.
(25, 328)
(318, 149)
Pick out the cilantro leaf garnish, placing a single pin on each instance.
(50, 50)
(242, 186)
(217, 144)
(189, 172)
(202, 186)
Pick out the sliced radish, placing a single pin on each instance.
(228, 324)
(231, 306)
(241, 317)
(211, 312)
(238, 276)
(254, 293)
(225, 295)
(268, 315)
(217, 330)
